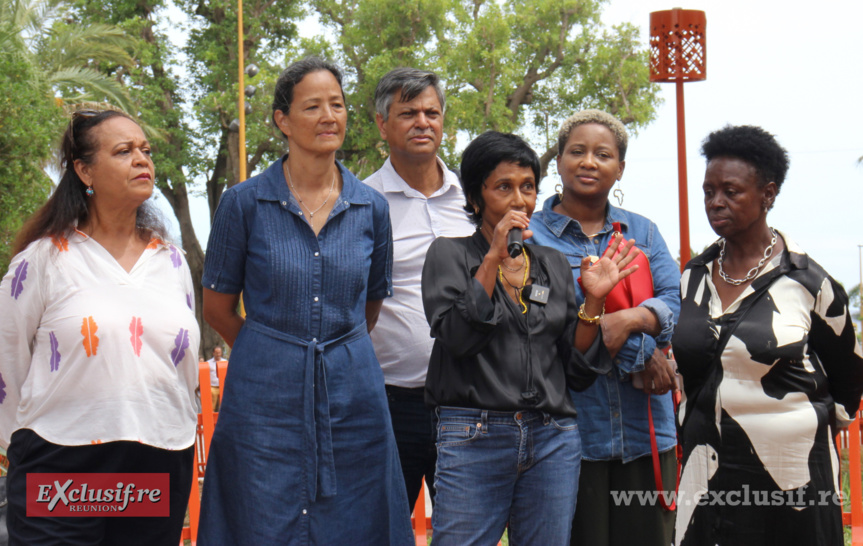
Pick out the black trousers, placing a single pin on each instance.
(30, 453)
(415, 438)
(599, 522)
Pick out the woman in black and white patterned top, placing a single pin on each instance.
(770, 363)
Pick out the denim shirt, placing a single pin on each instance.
(612, 414)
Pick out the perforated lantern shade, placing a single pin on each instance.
(678, 49)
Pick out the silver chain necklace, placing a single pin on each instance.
(300, 199)
(752, 272)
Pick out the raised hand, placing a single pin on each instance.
(600, 277)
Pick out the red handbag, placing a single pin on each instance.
(629, 293)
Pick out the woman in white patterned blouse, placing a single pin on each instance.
(99, 343)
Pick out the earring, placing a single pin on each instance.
(558, 189)
(89, 191)
(618, 194)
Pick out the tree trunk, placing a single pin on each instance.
(545, 159)
(179, 199)
(216, 182)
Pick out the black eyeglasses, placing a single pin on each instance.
(79, 114)
(85, 113)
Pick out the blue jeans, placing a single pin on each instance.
(497, 467)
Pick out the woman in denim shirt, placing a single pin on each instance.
(612, 413)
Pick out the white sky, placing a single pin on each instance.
(793, 69)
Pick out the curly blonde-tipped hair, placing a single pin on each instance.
(593, 116)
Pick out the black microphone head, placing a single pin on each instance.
(514, 242)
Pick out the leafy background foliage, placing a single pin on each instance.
(507, 65)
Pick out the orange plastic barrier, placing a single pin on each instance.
(421, 523)
(206, 425)
(851, 440)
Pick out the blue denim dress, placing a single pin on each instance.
(303, 452)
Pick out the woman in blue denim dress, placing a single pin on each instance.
(613, 413)
(509, 341)
(303, 452)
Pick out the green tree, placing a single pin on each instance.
(854, 300)
(371, 38)
(65, 57)
(191, 116)
(29, 125)
(509, 66)
(46, 63)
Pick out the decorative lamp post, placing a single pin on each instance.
(678, 54)
(242, 100)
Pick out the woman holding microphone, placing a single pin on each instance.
(509, 343)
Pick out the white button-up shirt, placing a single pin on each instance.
(91, 353)
(214, 371)
(401, 337)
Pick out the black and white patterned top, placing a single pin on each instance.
(765, 381)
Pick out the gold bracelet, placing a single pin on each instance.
(582, 316)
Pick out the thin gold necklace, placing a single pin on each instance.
(518, 289)
(300, 199)
(514, 270)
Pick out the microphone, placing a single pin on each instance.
(514, 242)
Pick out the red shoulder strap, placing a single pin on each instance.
(654, 452)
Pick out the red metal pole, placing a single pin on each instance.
(683, 195)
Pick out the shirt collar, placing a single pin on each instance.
(77, 236)
(392, 182)
(272, 185)
(557, 223)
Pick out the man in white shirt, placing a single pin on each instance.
(426, 201)
(214, 376)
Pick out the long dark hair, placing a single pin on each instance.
(67, 206)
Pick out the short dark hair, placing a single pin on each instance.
(411, 82)
(482, 156)
(283, 95)
(753, 145)
(67, 206)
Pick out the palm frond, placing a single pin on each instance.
(83, 83)
(82, 45)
